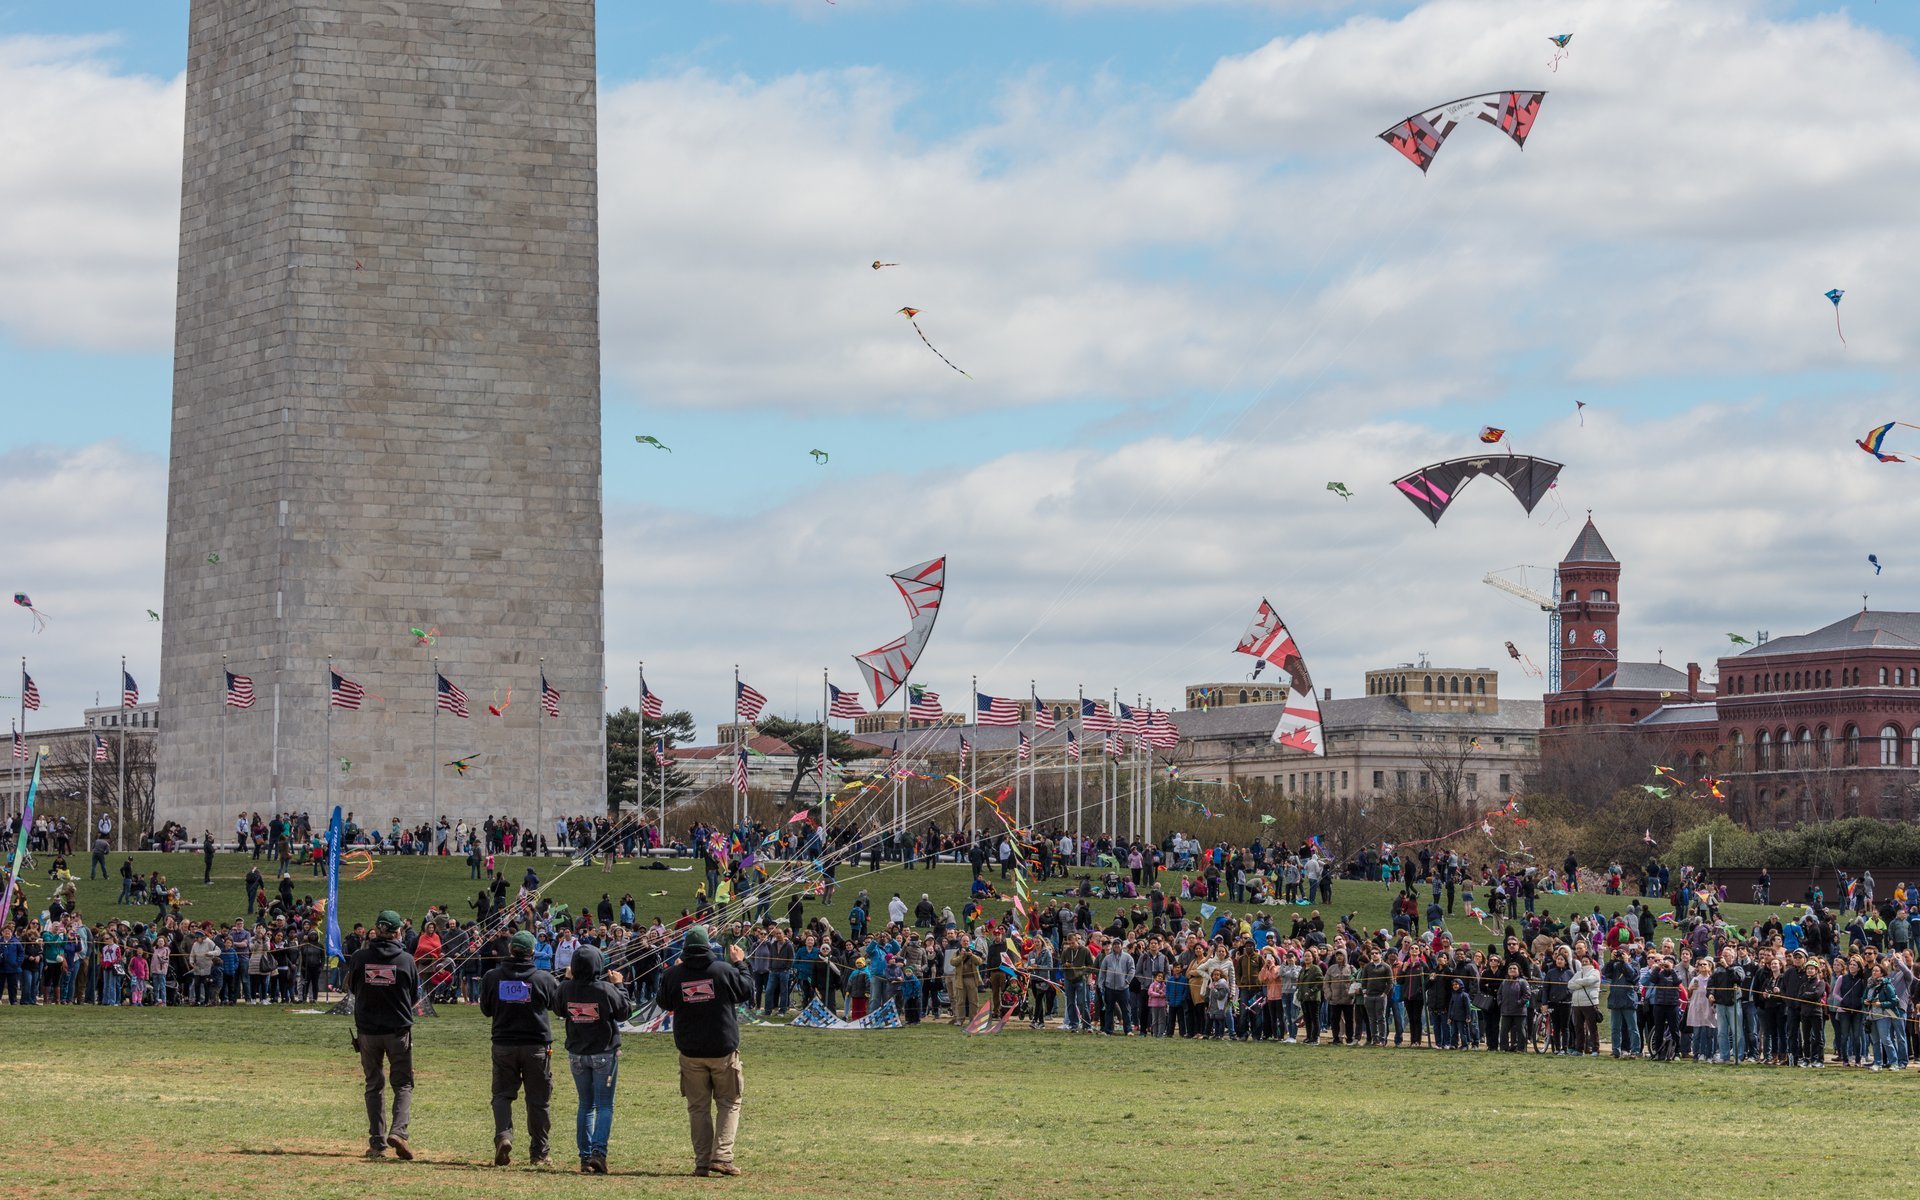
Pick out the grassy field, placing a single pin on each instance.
(409, 885)
(262, 1104)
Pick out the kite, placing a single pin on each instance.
(910, 314)
(1647, 837)
(25, 601)
(1491, 434)
(1875, 560)
(361, 859)
(1267, 639)
(1420, 136)
(152, 615)
(213, 559)
(1875, 441)
(1560, 41)
(877, 264)
(886, 667)
(1514, 652)
(425, 637)
(1737, 640)
(1834, 295)
(346, 764)
(1433, 488)
(501, 709)
(819, 457)
(1580, 408)
(647, 439)
(20, 839)
(1265, 819)
(1340, 490)
(463, 764)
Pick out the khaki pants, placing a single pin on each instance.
(714, 1082)
(969, 1002)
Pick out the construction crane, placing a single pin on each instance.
(1520, 589)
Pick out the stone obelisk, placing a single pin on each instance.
(386, 411)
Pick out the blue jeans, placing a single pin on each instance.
(1620, 1021)
(1076, 1014)
(1726, 1019)
(1702, 1043)
(1883, 1051)
(776, 996)
(593, 1077)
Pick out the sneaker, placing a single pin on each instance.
(502, 1151)
(542, 1160)
(726, 1168)
(375, 1153)
(598, 1164)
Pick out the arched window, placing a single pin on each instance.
(1633, 714)
(1826, 747)
(1739, 748)
(1599, 595)
(1481, 688)
(1428, 685)
(1889, 745)
(1899, 677)
(1883, 677)
(1763, 751)
(1804, 808)
(1803, 756)
(1853, 746)
(1851, 802)
(1456, 685)
(1573, 597)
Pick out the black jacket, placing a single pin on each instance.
(591, 1007)
(518, 997)
(701, 993)
(385, 985)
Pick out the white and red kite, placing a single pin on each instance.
(1267, 639)
(886, 667)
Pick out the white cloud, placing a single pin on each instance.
(89, 197)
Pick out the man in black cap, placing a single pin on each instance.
(518, 996)
(701, 993)
(384, 984)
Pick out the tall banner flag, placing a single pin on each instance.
(334, 833)
(20, 842)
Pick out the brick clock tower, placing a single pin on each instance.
(1589, 612)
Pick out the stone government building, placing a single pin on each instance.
(386, 407)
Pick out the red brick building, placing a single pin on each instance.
(1811, 727)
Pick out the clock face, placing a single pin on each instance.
(1599, 637)
(1573, 637)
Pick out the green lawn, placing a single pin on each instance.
(261, 1104)
(408, 885)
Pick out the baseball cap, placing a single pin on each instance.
(523, 943)
(388, 919)
(697, 936)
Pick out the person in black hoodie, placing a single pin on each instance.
(385, 985)
(518, 997)
(701, 993)
(593, 1009)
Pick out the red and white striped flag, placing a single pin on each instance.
(1095, 718)
(1026, 746)
(843, 706)
(1116, 745)
(549, 698)
(450, 698)
(239, 691)
(129, 691)
(1073, 746)
(923, 703)
(747, 703)
(343, 692)
(650, 706)
(740, 771)
(29, 693)
(995, 710)
(966, 751)
(99, 748)
(1162, 733)
(19, 746)
(1042, 715)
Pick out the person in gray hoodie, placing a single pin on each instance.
(593, 1007)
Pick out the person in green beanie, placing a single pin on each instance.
(385, 985)
(701, 993)
(518, 996)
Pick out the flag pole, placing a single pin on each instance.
(973, 770)
(1033, 760)
(326, 763)
(433, 767)
(1080, 778)
(224, 706)
(20, 764)
(900, 769)
(733, 780)
(123, 753)
(540, 759)
(826, 703)
(640, 749)
(93, 831)
(1147, 813)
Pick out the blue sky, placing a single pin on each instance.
(1190, 286)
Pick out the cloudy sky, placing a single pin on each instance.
(1190, 285)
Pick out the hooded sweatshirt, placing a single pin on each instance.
(384, 984)
(701, 993)
(593, 1008)
(518, 996)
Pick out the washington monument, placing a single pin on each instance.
(386, 413)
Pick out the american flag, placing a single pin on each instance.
(1130, 721)
(1162, 733)
(1042, 715)
(129, 691)
(344, 692)
(893, 760)
(650, 706)
(844, 706)
(1073, 746)
(996, 710)
(29, 693)
(923, 703)
(740, 771)
(966, 751)
(550, 699)
(1094, 717)
(660, 755)
(239, 691)
(99, 748)
(821, 766)
(747, 703)
(451, 698)
(1116, 745)
(19, 746)
(1026, 746)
